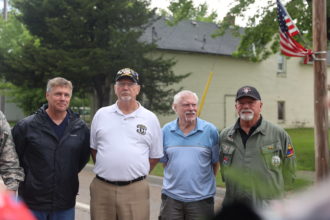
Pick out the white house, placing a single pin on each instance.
(285, 85)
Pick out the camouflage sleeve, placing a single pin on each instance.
(10, 170)
(289, 161)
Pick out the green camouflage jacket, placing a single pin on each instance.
(257, 172)
(10, 170)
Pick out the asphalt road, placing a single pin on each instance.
(86, 176)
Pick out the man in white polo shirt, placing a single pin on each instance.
(126, 144)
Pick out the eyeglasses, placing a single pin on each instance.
(123, 84)
(187, 105)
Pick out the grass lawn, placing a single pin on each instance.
(303, 143)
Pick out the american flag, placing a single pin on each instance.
(289, 46)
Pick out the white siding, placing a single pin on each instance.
(296, 89)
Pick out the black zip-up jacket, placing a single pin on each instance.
(51, 165)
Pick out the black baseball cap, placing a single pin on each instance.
(128, 73)
(248, 91)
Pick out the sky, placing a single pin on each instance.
(220, 6)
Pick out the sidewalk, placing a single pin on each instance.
(306, 174)
(155, 182)
(86, 176)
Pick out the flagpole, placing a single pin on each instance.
(320, 90)
(206, 88)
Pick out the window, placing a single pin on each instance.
(281, 110)
(281, 66)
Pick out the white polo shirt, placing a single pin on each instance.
(124, 143)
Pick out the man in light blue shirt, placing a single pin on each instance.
(191, 151)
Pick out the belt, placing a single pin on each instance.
(120, 183)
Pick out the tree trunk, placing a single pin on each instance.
(103, 95)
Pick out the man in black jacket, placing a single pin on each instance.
(53, 147)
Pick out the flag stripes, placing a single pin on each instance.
(287, 30)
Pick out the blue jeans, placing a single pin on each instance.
(67, 214)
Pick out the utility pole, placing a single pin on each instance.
(5, 6)
(4, 15)
(320, 90)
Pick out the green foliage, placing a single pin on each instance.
(29, 100)
(184, 9)
(260, 38)
(87, 42)
(13, 35)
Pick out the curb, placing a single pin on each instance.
(157, 180)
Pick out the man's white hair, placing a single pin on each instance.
(177, 97)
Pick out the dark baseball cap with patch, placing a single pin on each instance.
(128, 73)
(248, 91)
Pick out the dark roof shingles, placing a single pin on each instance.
(190, 36)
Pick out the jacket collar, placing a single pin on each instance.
(41, 112)
(261, 128)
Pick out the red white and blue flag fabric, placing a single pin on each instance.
(289, 46)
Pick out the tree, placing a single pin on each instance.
(88, 42)
(184, 9)
(260, 38)
(12, 36)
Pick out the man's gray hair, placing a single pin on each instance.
(177, 98)
(58, 81)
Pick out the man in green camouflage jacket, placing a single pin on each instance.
(257, 157)
(11, 172)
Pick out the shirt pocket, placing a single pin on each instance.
(226, 155)
(272, 156)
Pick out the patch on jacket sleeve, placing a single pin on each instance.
(290, 151)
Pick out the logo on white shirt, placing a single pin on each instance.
(141, 129)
